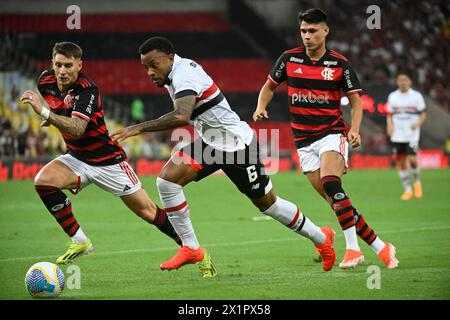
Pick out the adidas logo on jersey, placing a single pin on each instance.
(298, 70)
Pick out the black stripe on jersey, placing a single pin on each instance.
(87, 141)
(407, 112)
(313, 84)
(332, 104)
(100, 152)
(313, 119)
(207, 105)
(185, 93)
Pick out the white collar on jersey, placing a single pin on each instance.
(176, 61)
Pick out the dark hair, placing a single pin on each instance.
(68, 49)
(313, 15)
(403, 73)
(157, 43)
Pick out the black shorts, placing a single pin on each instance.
(404, 148)
(243, 167)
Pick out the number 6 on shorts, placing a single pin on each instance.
(252, 173)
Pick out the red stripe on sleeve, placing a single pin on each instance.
(208, 92)
(79, 114)
(271, 80)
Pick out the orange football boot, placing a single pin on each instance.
(387, 255)
(326, 249)
(184, 256)
(352, 258)
(418, 192)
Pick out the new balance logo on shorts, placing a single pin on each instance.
(255, 186)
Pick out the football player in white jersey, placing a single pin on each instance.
(225, 143)
(406, 114)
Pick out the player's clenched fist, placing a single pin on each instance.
(354, 139)
(259, 115)
(32, 98)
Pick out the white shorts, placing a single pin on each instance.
(310, 155)
(119, 179)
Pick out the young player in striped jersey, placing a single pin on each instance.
(75, 108)
(225, 143)
(315, 77)
(406, 114)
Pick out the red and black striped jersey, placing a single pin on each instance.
(95, 147)
(314, 92)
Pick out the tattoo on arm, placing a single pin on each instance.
(74, 126)
(179, 117)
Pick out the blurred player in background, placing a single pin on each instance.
(75, 108)
(230, 143)
(406, 114)
(315, 77)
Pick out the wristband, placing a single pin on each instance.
(45, 113)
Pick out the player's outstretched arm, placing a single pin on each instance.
(353, 136)
(264, 98)
(74, 126)
(177, 118)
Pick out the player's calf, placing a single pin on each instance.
(289, 215)
(341, 204)
(58, 204)
(343, 208)
(163, 224)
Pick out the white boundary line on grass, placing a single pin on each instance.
(218, 244)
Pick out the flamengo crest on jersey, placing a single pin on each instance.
(214, 121)
(405, 108)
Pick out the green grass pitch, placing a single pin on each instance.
(255, 259)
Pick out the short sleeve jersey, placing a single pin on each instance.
(314, 91)
(82, 99)
(214, 120)
(405, 108)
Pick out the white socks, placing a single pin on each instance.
(377, 245)
(288, 214)
(79, 236)
(416, 174)
(351, 239)
(174, 202)
(404, 176)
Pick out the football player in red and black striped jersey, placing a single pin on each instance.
(75, 108)
(316, 77)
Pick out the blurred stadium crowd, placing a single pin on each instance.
(414, 37)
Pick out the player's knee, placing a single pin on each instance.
(43, 178)
(265, 202)
(331, 185)
(165, 186)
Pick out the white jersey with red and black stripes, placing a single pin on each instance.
(214, 120)
(405, 108)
